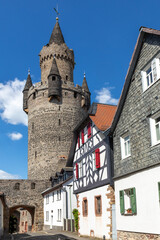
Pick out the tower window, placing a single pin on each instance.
(75, 94)
(33, 185)
(35, 154)
(66, 77)
(66, 93)
(34, 95)
(59, 122)
(59, 108)
(59, 138)
(32, 127)
(53, 78)
(17, 186)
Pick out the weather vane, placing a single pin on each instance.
(56, 10)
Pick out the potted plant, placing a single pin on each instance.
(129, 210)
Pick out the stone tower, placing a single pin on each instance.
(54, 107)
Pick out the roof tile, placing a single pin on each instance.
(104, 116)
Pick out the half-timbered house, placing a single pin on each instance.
(92, 171)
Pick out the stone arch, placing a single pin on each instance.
(30, 209)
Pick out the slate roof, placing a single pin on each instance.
(54, 69)
(132, 65)
(103, 116)
(28, 83)
(56, 36)
(85, 85)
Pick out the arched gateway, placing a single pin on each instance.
(24, 194)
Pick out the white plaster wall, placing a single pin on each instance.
(1, 218)
(53, 206)
(147, 219)
(73, 205)
(91, 222)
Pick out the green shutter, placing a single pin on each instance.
(121, 193)
(133, 200)
(159, 190)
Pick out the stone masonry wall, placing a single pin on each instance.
(25, 197)
(136, 236)
(50, 129)
(134, 117)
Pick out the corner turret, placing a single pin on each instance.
(86, 97)
(54, 82)
(25, 92)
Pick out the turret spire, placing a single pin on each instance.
(56, 36)
(54, 82)
(84, 84)
(28, 82)
(54, 69)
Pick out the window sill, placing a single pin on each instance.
(151, 85)
(155, 144)
(128, 214)
(58, 220)
(126, 157)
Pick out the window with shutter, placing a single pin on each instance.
(76, 170)
(82, 134)
(121, 193)
(133, 200)
(89, 129)
(151, 74)
(128, 202)
(97, 155)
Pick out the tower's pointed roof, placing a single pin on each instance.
(54, 69)
(84, 84)
(28, 82)
(56, 36)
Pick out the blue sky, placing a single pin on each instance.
(102, 34)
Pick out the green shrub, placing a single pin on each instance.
(75, 214)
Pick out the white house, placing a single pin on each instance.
(92, 172)
(136, 143)
(59, 202)
(1, 213)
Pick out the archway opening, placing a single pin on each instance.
(21, 219)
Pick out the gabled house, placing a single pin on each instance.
(91, 153)
(59, 201)
(136, 143)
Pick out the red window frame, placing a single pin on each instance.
(76, 170)
(89, 129)
(82, 134)
(97, 156)
(78, 141)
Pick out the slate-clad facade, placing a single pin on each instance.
(92, 172)
(136, 132)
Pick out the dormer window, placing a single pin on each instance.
(150, 74)
(53, 78)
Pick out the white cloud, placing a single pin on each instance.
(15, 136)
(5, 175)
(104, 96)
(11, 102)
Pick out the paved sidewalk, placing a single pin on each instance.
(68, 234)
(49, 235)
